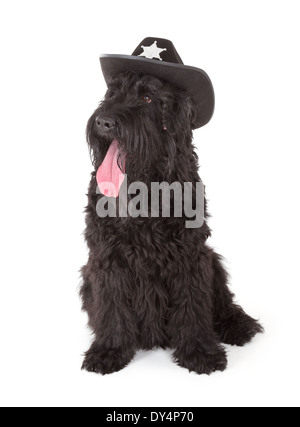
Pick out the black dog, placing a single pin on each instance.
(151, 282)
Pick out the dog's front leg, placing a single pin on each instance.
(113, 323)
(231, 323)
(191, 325)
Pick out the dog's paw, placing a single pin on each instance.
(239, 329)
(200, 362)
(102, 361)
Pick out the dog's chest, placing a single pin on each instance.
(149, 247)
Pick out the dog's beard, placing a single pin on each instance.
(136, 156)
(144, 156)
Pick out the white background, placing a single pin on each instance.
(249, 154)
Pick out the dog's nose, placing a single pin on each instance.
(105, 124)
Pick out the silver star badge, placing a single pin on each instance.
(152, 51)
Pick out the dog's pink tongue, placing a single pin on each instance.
(109, 176)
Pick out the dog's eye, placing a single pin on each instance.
(147, 99)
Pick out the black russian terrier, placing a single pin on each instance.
(152, 282)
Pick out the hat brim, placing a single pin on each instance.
(194, 80)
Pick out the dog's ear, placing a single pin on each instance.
(178, 112)
(186, 111)
(178, 121)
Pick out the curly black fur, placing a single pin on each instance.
(152, 282)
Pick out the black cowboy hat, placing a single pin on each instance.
(158, 57)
